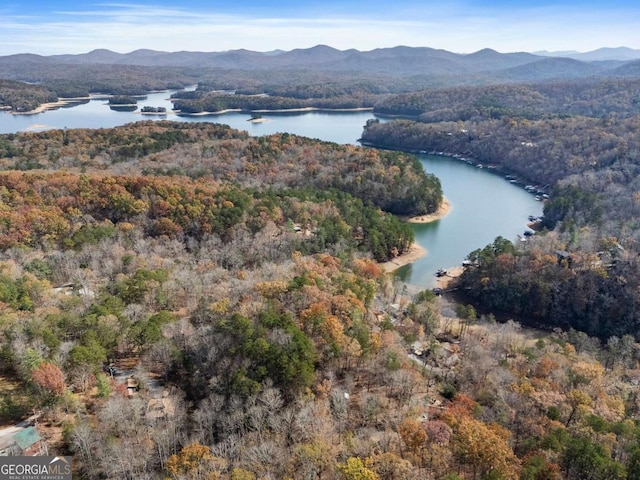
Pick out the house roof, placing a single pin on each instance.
(27, 437)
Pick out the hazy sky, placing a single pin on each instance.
(57, 26)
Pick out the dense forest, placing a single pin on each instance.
(392, 181)
(185, 301)
(27, 86)
(581, 271)
(173, 311)
(22, 97)
(216, 102)
(586, 97)
(539, 151)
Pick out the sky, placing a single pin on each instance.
(49, 27)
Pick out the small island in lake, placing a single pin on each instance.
(123, 103)
(123, 100)
(256, 118)
(153, 110)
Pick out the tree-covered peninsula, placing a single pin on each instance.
(22, 97)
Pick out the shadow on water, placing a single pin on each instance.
(123, 108)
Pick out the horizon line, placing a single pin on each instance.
(621, 47)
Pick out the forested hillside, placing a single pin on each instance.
(184, 301)
(540, 151)
(583, 272)
(392, 181)
(588, 97)
(216, 102)
(342, 79)
(172, 326)
(80, 80)
(21, 97)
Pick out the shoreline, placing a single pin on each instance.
(443, 210)
(202, 114)
(452, 274)
(51, 105)
(313, 109)
(496, 168)
(282, 110)
(66, 101)
(415, 252)
(163, 114)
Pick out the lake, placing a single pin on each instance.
(484, 205)
(334, 127)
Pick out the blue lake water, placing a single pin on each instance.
(484, 205)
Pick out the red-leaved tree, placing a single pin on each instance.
(49, 378)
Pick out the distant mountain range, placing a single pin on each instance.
(484, 65)
(622, 54)
(322, 54)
